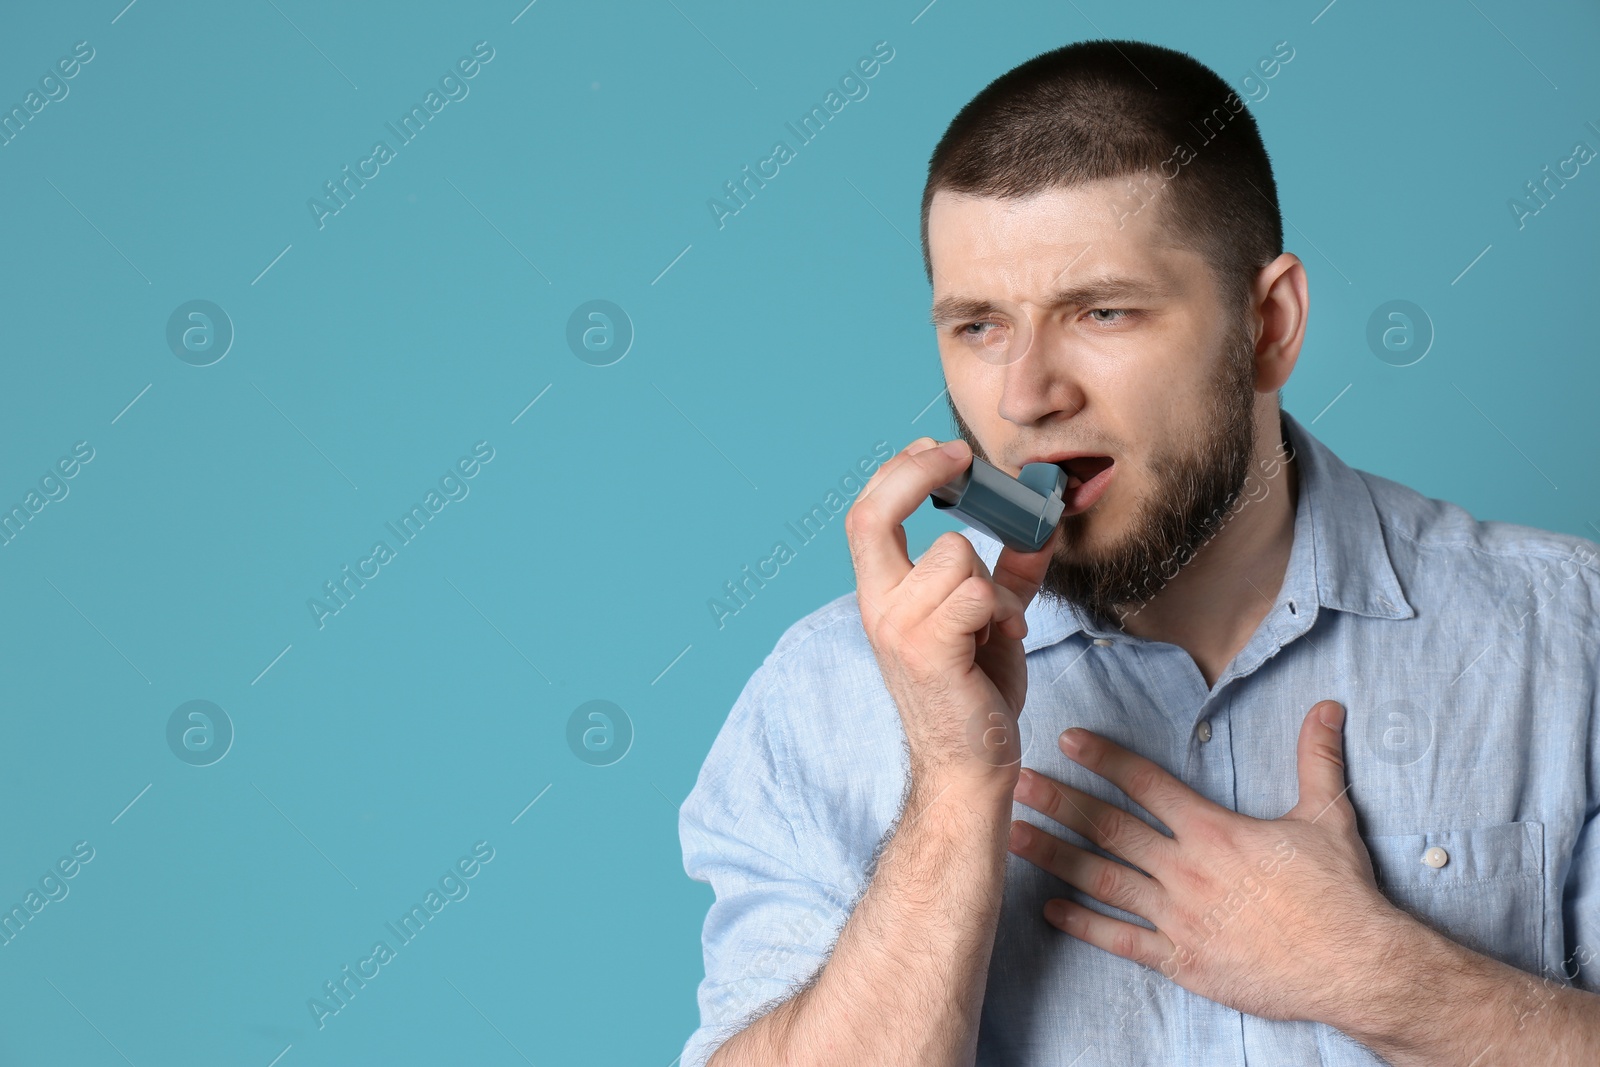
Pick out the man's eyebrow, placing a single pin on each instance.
(1097, 292)
(959, 309)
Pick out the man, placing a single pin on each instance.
(1070, 807)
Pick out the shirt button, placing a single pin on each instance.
(1204, 730)
(1436, 857)
(1103, 642)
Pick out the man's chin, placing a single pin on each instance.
(1093, 541)
(1088, 586)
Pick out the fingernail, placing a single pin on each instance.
(1056, 912)
(921, 444)
(955, 449)
(1019, 835)
(1071, 739)
(1332, 715)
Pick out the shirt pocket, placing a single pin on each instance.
(1482, 887)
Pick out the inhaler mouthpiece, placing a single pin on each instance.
(1020, 512)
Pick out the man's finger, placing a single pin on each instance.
(906, 481)
(1320, 761)
(1120, 833)
(1145, 781)
(1151, 948)
(938, 572)
(1107, 881)
(921, 444)
(1022, 572)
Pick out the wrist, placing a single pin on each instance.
(986, 794)
(1404, 988)
(944, 858)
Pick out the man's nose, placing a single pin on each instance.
(1041, 380)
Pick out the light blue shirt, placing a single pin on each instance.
(1464, 652)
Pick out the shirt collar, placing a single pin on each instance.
(1339, 558)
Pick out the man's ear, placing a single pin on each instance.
(1279, 304)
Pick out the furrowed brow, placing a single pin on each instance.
(956, 308)
(1098, 292)
(1106, 292)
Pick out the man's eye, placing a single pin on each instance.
(1121, 314)
(975, 329)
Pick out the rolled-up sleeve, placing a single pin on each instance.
(1580, 962)
(777, 911)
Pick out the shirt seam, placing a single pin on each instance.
(778, 741)
(780, 738)
(1534, 551)
(1547, 555)
(1463, 885)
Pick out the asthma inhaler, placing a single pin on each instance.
(1020, 512)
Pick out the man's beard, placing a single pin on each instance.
(1195, 492)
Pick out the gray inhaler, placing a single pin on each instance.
(1020, 512)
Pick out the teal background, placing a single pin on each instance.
(425, 317)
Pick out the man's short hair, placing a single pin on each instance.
(1110, 109)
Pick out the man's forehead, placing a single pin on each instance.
(1059, 235)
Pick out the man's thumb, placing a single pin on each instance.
(1320, 760)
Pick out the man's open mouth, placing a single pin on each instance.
(1087, 478)
(1082, 469)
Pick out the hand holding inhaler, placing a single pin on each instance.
(931, 623)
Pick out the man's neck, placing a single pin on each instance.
(1214, 603)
